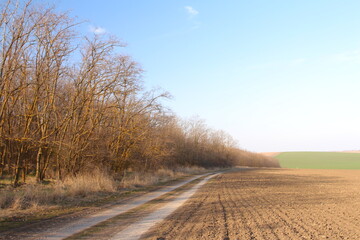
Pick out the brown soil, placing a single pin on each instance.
(269, 204)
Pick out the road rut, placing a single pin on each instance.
(137, 229)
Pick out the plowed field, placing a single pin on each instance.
(269, 204)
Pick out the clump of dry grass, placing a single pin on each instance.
(29, 196)
(6, 198)
(35, 195)
(85, 184)
(137, 179)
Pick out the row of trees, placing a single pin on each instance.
(70, 103)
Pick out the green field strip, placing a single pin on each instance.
(319, 160)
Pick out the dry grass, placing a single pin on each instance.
(83, 185)
(31, 198)
(137, 179)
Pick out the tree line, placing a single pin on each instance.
(72, 103)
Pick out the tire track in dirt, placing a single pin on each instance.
(206, 212)
(136, 230)
(195, 208)
(245, 230)
(192, 215)
(225, 218)
(260, 222)
(239, 222)
(267, 211)
(268, 219)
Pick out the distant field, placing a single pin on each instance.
(319, 160)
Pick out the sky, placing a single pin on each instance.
(276, 75)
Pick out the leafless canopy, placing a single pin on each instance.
(59, 116)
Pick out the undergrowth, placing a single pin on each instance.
(72, 190)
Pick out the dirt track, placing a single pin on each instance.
(270, 204)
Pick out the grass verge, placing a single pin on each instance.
(35, 202)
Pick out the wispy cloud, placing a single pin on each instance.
(97, 30)
(191, 11)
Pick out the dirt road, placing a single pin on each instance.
(84, 223)
(62, 227)
(269, 204)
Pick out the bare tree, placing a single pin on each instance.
(69, 117)
(52, 43)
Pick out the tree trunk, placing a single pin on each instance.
(2, 162)
(38, 165)
(24, 172)
(46, 165)
(17, 171)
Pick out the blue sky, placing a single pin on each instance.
(276, 75)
